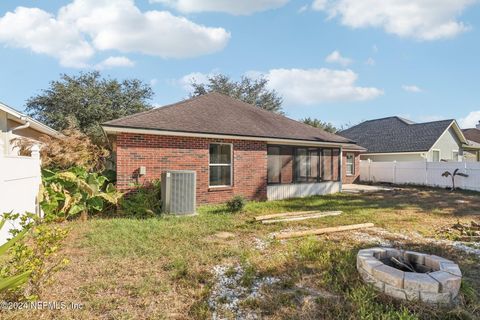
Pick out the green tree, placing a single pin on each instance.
(317, 123)
(249, 90)
(89, 99)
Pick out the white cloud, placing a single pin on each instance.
(39, 31)
(370, 62)
(197, 77)
(302, 86)
(412, 88)
(420, 19)
(471, 120)
(315, 86)
(302, 9)
(336, 57)
(85, 26)
(112, 62)
(237, 7)
(153, 82)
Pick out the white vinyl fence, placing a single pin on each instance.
(421, 173)
(20, 179)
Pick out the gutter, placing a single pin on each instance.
(23, 126)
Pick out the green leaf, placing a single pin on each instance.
(95, 203)
(11, 242)
(76, 209)
(14, 281)
(111, 188)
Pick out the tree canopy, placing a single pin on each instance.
(89, 99)
(249, 90)
(317, 123)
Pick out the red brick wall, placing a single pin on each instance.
(350, 179)
(159, 153)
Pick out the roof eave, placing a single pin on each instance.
(113, 129)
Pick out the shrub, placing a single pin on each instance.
(11, 281)
(73, 149)
(37, 256)
(144, 202)
(68, 193)
(236, 204)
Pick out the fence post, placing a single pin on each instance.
(426, 172)
(394, 178)
(369, 170)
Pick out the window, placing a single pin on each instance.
(274, 165)
(327, 165)
(455, 155)
(350, 164)
(287, 164)
(220, 165)
(436, 155)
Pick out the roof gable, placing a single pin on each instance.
(394, 134)
(219, 114)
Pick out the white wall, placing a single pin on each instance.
(421, 173)
(298, 190)
(20, 179)
(393, 157)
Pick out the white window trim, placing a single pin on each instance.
(458, 155)
(439, 155)
(353, 164)
(221, 165)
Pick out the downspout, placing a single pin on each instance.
(23, 126)
(9, 132)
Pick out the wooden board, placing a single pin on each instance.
(289, 214)
(294, 234)
(303, 217)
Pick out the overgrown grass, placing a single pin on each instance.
(162, 267)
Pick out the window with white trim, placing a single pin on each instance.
(220, 165)
(350, 164)
(436, 155)
(455, 155)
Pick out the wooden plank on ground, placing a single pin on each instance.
(294, 234)
(289, 214)
(303, 217)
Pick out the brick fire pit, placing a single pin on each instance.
(435, 280)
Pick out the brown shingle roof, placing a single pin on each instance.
(216, 113)
(472, 134)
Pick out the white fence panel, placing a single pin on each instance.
(410, 172)
(20, 179)
(382, 171)
(422, 173)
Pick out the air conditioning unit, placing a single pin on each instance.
(179, 192)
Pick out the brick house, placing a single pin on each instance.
(235, 149)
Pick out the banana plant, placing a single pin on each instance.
(453, 175)
(65, 194)
(16, 280)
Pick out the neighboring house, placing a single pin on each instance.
(19, 176)
(235, 149)
(398, 139)
(473, 137)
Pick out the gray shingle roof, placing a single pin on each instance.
(216, 113)
(395, 134)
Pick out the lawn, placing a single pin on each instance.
(169, 268)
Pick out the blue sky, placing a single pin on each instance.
(342, 61)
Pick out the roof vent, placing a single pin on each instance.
(179, 192)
